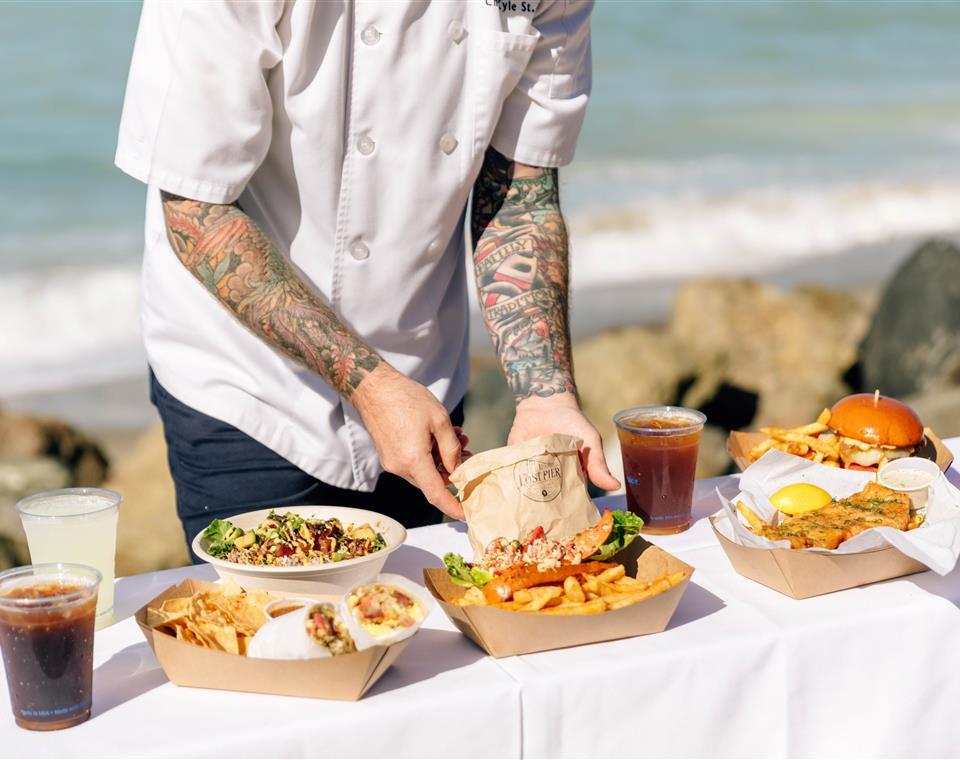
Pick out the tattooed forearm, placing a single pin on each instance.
(520, 260)
(226, 251)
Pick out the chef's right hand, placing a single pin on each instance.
(407, 424)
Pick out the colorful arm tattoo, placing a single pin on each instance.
(226, 251)
(520, 261)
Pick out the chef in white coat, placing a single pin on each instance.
(304, 302)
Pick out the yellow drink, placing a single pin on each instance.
(76, 525)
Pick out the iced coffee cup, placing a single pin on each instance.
(659, 445)
(46, 635)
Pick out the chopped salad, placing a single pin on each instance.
(289, 540)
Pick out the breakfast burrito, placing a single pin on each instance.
(314, 630)
(387, 611)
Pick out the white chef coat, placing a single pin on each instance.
(351, 131)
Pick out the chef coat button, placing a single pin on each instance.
(448, 143)
(370, 35)
(456, 31)
(433, 247)
(365, 145)
(359, 251)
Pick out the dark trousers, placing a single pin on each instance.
(219, 471)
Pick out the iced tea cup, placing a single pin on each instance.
(76, 525)
(659, 445)
(47, 617)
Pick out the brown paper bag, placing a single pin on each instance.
(511, 490)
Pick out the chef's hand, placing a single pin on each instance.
(408, 425)
(561, 413)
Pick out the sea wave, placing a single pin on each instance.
(69, 327)
(753, 231)
(74, 326)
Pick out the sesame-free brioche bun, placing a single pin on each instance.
(877, 420)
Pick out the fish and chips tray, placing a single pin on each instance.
(343, 677)
(661, 578)
(864, 533)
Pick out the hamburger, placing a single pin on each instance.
(873, 429)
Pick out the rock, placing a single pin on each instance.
(619, 369)
(791, 349)
(488, 407)
(939, 410)
(27, 437)
(19, 477)
(913, 344)
(149, 535)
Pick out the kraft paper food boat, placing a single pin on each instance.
(347, 677)
(802, 574)
(503, 633)
(739, 443)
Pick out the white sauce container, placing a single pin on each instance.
(911, 475)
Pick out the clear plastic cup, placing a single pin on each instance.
(47, 617)
(76, 525)
(659, 445)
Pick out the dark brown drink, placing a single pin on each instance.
(47, 615)
(659, 446)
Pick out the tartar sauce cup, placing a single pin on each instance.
(912, 476)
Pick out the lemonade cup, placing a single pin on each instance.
(76, 525)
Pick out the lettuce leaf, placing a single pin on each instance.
(462, 574)
(221, 535)
(626, 527)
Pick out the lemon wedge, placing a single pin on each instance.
(799, 498)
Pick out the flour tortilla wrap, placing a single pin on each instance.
(507, 492)
(286, 637)
(363, 638)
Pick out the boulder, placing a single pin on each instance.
(789, 348)
(633, 366)
(149, 536)
(913, 344)
(26, 437)
(21, 476)
(938, 409)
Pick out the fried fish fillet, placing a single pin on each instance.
(842, 519)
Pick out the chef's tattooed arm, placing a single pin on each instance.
(520, 261)
(231, 256)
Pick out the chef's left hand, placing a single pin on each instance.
(561, 413)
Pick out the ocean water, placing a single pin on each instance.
(722, 138)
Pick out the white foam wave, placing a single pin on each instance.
(69, 327)
(753, 231)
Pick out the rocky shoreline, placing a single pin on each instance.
(746, 353)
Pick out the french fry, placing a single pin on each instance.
(824, 418)
(573, 591)
(587, 608)
(523, 595)
(540, 595)
(756, 524)
(591, 584)
(512, 606)
(613, 574)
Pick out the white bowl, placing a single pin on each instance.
(332, 577)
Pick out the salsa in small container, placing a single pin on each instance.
(659, 445)
(47, 615)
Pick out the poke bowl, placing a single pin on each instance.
(244, 549)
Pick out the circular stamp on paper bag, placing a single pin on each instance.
(539, 478)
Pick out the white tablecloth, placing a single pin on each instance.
(741, 671)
